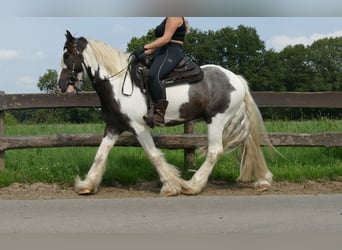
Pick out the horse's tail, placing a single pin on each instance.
(246, 131)
(253, 164)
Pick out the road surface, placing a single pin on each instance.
(198, 214)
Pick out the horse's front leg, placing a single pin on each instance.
(169, 175)
(93, 179)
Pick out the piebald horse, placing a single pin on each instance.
(222, 99)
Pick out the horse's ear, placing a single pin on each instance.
(69, 37)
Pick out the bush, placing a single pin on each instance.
(10, 119)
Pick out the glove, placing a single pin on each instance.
(141, 57)
(139, 51)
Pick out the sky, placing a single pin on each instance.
(32, 39)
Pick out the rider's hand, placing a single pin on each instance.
(139, 51)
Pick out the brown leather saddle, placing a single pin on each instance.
(186, 71)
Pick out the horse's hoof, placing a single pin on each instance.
(262, 185)
(85, 192)
(168, 194)
(262, 188)
(187, 188)
(191, 191)
(188, 191)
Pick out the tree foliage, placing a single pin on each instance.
(296, 68)
(48, 82)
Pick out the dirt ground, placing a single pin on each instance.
(43, 191)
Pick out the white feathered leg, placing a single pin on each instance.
(93, 179)
(215, 150)
(169, 175)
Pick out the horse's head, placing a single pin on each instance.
(71, 73)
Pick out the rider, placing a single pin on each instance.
(167, 52)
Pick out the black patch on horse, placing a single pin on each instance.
(116, 121)
(207, 100)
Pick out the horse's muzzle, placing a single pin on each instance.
(66, 89)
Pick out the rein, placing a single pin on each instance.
(106, 78)
(115, 75)
(112, 76)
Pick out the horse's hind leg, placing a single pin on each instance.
(253, 166)
(169, 175)
(215, 150)
(93, 179)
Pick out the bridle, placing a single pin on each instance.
(73, 79)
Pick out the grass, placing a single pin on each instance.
(127, 166)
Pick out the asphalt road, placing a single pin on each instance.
(193, 215)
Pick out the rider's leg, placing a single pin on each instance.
(164, 62)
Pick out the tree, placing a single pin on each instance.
(325, 61)
(297, 73)
(239, 50)
(270, 74)
(48, 82)
(200, 47)
(313, 68)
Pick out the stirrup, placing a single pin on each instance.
(149, 121)
(148, 118)
(158, 119)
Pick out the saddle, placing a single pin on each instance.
(186, 71)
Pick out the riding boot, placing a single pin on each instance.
(159, 112)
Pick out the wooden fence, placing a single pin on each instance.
(187, 141)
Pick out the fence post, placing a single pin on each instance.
(189, 154)
(2, 130)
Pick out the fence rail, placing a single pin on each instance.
(90, 99)
(187, 141)
(174, 141)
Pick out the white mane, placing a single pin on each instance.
(112, 59)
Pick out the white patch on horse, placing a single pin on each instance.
(177, 95)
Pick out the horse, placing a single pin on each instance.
(221, 99)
